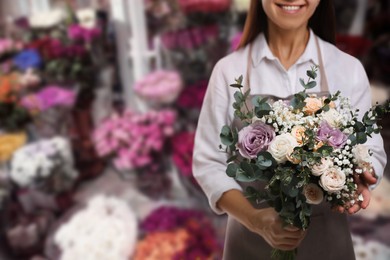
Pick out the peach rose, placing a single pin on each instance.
(313, 193)
(299, 133)
(312, 105)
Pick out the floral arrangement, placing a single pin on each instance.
(204, 6)
(105, 229)
(306, 150)
(197, 237)
(64, 45)
(134, 139)
(45, 164)
(159, 87)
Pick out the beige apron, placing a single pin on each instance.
(328, 237)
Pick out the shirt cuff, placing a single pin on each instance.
(215, 195)
(378, 168)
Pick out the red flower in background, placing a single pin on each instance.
(354, 45)
(192, 96)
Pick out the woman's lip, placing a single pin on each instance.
(290, 8)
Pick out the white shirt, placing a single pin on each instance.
(269, 77)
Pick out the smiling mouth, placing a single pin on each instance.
(290, 8)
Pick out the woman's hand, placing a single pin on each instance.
(266, 222)
(362, 180)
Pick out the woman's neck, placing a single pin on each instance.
(287, 45)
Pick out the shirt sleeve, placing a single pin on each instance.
(209, 162)
(361, 99)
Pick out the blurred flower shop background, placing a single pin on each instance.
(99, 101)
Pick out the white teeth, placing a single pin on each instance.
(290, 7)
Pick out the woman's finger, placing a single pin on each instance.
(368, 178)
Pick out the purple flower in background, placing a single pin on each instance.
(333, 136)
(78, 33)
(27, 59)
(254, 138)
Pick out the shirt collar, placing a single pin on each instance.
(261, 50)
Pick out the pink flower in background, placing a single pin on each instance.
(189, 38)
(161, 86)
(235, 41)
(9, 45)
(49, 97)
(206, 6)
(132, 139)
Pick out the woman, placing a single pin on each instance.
(281, 40)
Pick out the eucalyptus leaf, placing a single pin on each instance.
(239, 97)
(232, 169)
(310, 85)
(361, 137)
(311, 74)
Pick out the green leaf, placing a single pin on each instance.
(246, 167)
(353, 139)
(243, 177)
(311, 74)
(235, 85)
(262, 109)
(361, 137)
(225, 130)
(359, 127)
(325, 150)
(302, 82)
(239, 80)
(310, 85)
(226, 136)
(239, 97)
(232, 158)
(232, 169)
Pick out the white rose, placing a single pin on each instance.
(361, 154)
(319, 169)
(87, 18)
(333, 180)
(332, 116)
(313, 193)
(281, 146)
(47, 19)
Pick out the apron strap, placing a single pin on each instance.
(248, 68)
(324, 81)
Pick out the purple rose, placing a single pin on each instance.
(254, 139)
(333, 136)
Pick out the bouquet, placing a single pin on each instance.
(306, 150)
